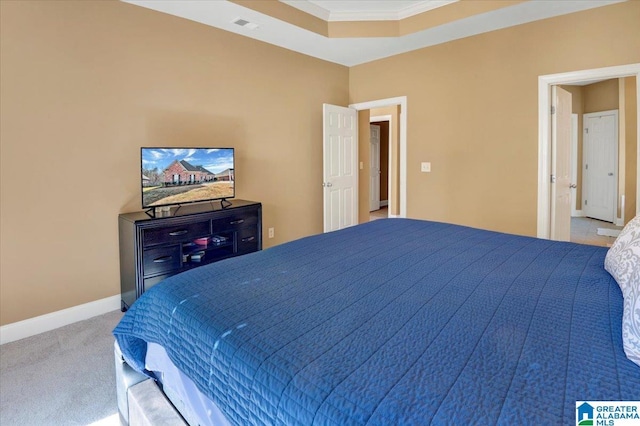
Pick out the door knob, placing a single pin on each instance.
(573, 185)
(610, 174)
(329, 184)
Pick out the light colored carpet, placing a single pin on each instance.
(62, 377)
(584, 230)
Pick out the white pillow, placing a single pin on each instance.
(631, 319)
(623, 263)
(623, 258)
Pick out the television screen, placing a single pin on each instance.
(186, 175)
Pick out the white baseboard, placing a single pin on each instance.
(384, 203)
(619, 221)
(393, 215)
(577, 213)
(32, 326)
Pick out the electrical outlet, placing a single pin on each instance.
(271, 232)
(425, 167)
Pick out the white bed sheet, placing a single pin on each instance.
(195, 407)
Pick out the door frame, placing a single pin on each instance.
(615, 156)
(388, 119)
(371, 196)
(544, 131)
(381, 103)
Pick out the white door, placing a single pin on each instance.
(374, 168)
(574, 164)
(340, 174)
(600, 165)
(560, 164)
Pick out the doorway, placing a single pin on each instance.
(544, 133)
(375, 166)
(380, 162)
(340, 129)
(397, 187)
(600, 166)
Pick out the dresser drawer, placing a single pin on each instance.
(150, 282)
(161, 259)
(235, 221)
(177, 233)
(248, 240)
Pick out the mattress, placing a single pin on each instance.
(395, 321)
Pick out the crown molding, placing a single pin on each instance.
(310, 8)
(422, 7)
(366, 15)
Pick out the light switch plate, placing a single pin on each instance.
(425, 167)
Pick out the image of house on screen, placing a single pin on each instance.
(585, 415)
(225, 176)
(183, 173)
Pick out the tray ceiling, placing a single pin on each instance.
(354, 32)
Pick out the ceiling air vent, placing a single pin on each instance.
(244, 23)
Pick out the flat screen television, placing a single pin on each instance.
(173, 176)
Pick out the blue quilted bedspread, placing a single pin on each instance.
(393, 322)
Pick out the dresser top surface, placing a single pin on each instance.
(190, 209)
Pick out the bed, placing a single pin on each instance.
(396, 321)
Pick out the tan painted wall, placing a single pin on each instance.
(85, 84)
(602, 96)
(472, 110)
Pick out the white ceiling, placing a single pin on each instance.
(365, 10)
(354, 51)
